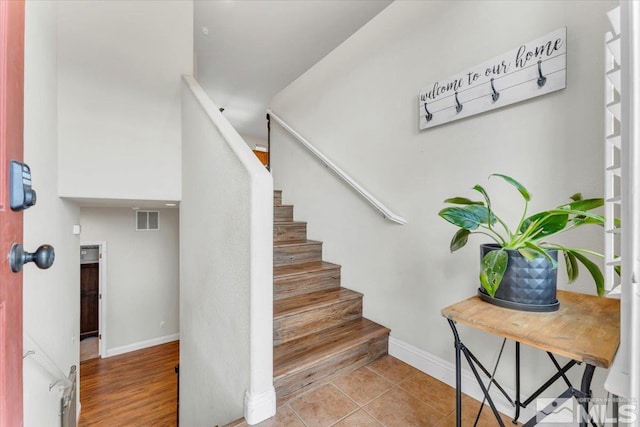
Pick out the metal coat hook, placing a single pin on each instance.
(429, 116)
(494, 93)
(541, 79)
(458, 105)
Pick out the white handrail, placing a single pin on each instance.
(386, 212)
(45, 362)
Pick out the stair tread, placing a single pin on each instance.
(295, 243)
(281, 271)
(304, 352)
(311, 301)
(319, 330)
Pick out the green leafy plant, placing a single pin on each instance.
(530, 236)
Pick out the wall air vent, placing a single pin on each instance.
(147, 220)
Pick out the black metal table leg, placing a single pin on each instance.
(462, 350)
(557, 365)
(583, 395)
(515, 419)
(485, 391)
(458, 345)
(491, 376)
(549, 382)
(585, 388)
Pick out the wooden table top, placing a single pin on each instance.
(586, 328)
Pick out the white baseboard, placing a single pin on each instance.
(445, 371)
(259, 407)
(140, 345)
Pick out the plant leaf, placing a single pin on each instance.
(598, 278)
(582, 220)
(528, 254)
(576, 197)
(544, 224)
(482, 191)
(459, 239)
(462, 201)
(541, 251)
(516, 184)
(558, 211)
(493, 266)
(583, 205)
(461, 217)
(572, 266)
(482, 212)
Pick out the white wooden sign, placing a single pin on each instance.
(530, 70)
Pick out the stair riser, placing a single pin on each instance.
(286, 232)
(288, 386)
(297, 254)
(282, 213)
(295, 326)
(289, 286)
(318, 329)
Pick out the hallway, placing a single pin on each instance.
(137, 388)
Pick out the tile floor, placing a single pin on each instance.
(387, 393)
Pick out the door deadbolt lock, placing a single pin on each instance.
(43, 257)
(22, 196)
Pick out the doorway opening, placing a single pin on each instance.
(92, 300)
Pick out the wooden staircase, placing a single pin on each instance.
(318, 328)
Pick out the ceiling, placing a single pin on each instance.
(248, 51)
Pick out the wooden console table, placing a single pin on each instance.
(586, 329)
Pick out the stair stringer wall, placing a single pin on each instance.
(226, 271)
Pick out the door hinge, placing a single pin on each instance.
(99, 336)
(99, 296)
(99, 256)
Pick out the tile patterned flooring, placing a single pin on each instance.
(388, 393)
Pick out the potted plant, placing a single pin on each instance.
(519, 269)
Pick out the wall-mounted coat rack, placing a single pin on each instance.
(532, 69)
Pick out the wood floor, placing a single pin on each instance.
(137, 388)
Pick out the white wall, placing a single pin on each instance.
(119, 68)
(359, 107)
(142, 276)
(226, 272)
(51, 298)
(265, 45)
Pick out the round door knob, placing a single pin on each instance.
(43, 257)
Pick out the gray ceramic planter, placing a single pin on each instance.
(526, 285)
